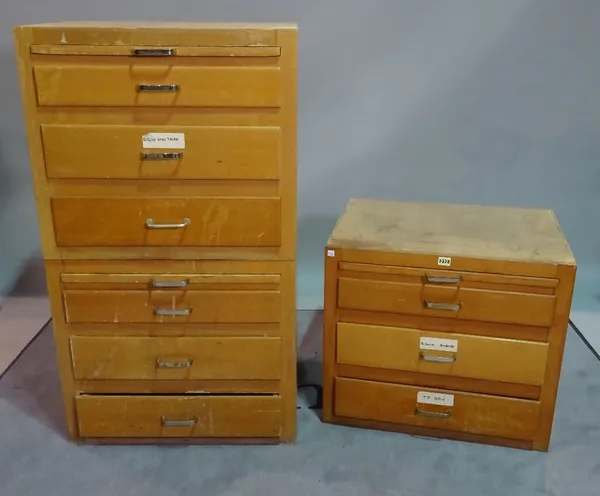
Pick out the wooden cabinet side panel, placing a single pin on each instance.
(289, 352)
(288, 41)
(22, 41)
(330, 318)
(62, 344)
(556, 346)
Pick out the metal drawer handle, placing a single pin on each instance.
(169, 88)
(425, 413)
(172, 312)
(152, 52)
(162, 156)
(168, 284)
(438, 359)
(443, 280)
(178, 423)
(150, 224)
(443, 306)
(160, 364)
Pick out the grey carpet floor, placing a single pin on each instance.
(35, 459)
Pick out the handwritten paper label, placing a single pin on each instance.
(437, 344)
(445, 261)
(331, 253)
(435, 398)
(163, 140)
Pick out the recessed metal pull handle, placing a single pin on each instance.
(161, 364)
(178, 423)
(425, 413)
(153, 52)
(438, 359)
(150, 224)
(162, 156)
(172, 311)
(168, 284)
(168, 88)
(443, 306)
(443, 280)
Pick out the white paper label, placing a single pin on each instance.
(435, 398)
(437, 344)
(163, 140)
(445, 261)
(331, 253)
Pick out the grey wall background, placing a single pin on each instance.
(470, 101)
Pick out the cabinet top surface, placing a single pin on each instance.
(499, 233)
(96, 33)
(162, 25)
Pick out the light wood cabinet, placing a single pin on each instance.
(446, 320)
(164, 166)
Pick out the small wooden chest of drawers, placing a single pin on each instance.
(164, 167)
(446, 320)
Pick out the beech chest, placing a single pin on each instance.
(446, 320)
(164, 166)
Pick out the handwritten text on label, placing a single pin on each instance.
(163, 140)
(437, 344)
(435, 398)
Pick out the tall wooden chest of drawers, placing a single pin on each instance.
(446, 320)
(164, 166)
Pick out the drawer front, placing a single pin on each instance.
(136, 222)
(171, 306)
(481, 305)
(456, 355)
(436, 409)
(197, 358)
(154, 152)
(178, 416)
(154, 85)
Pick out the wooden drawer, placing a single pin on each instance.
(178, 416)
(153, 152)
(484, 305)
(193, 358)
(120, 83)
(470, 356)
(135, 222)
(172, 306)
(452, 411)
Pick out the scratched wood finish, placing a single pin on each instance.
(178, 386)
(481, 305)
(475, 357)
(494, 234)
(474, 413)
(404, 282)
(114, 278)
(234, 358)
(191, 51)
(439, 381)
(251, 151)
(135, 222)
(478, 280)
(179, 416)
(185, 279)
(118, 152)
(133, 306)
(159, 33)
(63, 85)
